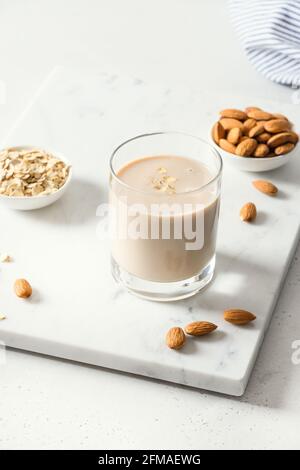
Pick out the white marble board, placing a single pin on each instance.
(76, 311)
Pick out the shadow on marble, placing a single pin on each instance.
(211, 298)
(76, 207)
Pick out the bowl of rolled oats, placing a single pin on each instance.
(32, 178)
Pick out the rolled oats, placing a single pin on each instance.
(31, 172)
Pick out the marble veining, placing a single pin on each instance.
(77, 311)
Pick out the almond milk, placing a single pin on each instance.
(165, 180)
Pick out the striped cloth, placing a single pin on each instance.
(270, 33)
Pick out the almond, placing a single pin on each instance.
(175, 338)
(249, 124)
(227, 146)
(252, 108)
(259, 115)
(264, 137)
(285, 148)
(234, 114)
(261, 150)
(200, 328)
(22, 288)
(277, 125)
(248, 212)
(229, 123)
(218, 132)
(246, 148)
(280, 116)
(234, 135)
(283, 138)
(265, 187)
(256, 130)
(238, 316)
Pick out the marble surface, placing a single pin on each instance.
(77, 312)
(51, 403)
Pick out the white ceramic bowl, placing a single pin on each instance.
(28, 203)
(255, 163)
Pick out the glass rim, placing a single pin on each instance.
(149, 134)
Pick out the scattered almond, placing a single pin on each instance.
(5, 258)
(285, 148)
(234, 114)
(248, 212)
(265, 187)
(2, 317)
(200, 328)
(261, 150)
(22, 288)
(234, 135)
(238, 316)
(175, 338)
(246, 148)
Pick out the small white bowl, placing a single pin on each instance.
(28, 203)
(255, 163)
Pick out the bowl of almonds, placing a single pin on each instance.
(253, 139)
(32, 178)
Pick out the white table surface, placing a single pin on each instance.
(48, 403)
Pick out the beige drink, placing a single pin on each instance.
(164, 197)
(166, 180)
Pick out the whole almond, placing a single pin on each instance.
(248, 212)
(256, 130)
(175, 338)
(259, 115)
(261, 150)
(230, 123)
(246, 148)
(265, 187)
(22, 288)
(283, 138)
(280, 116)
(234, 114)
(252, 108)
(277, 125)
(218, 132)
(249, 124)
(200, 328)
(234, 135)
(244, 137)
(285, 148)
(264, 137)
(238, 316)
(227, 146)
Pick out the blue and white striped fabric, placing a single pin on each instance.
(270, 33)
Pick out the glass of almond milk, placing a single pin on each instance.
(164, 210)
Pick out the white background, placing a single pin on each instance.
(48, 403)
